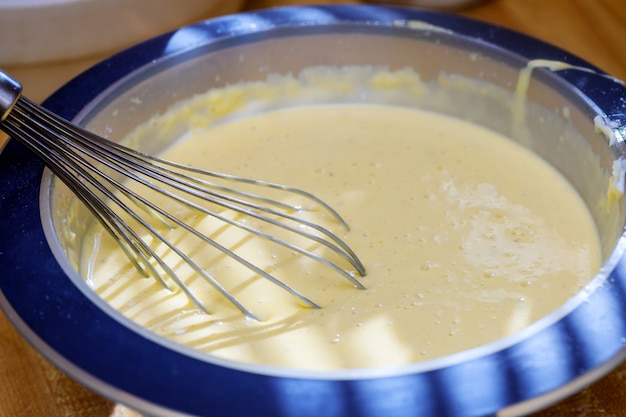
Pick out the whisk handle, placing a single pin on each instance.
(10, 92)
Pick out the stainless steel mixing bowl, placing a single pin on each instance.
(575, 118)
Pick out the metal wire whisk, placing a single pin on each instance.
(97, 170)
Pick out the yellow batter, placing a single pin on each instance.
(466, 238)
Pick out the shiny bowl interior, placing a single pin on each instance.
(558, 120)
(573, 118)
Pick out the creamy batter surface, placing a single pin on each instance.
(466, 237)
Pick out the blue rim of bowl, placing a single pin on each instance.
(538, 366)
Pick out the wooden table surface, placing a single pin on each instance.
(593, 29)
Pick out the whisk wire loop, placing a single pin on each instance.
(133, 245)
(57, 162)
(90, 165)
(127, 161)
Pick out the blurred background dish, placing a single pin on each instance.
(40, 31)
(46, 42)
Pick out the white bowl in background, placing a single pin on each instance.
(38, 31)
